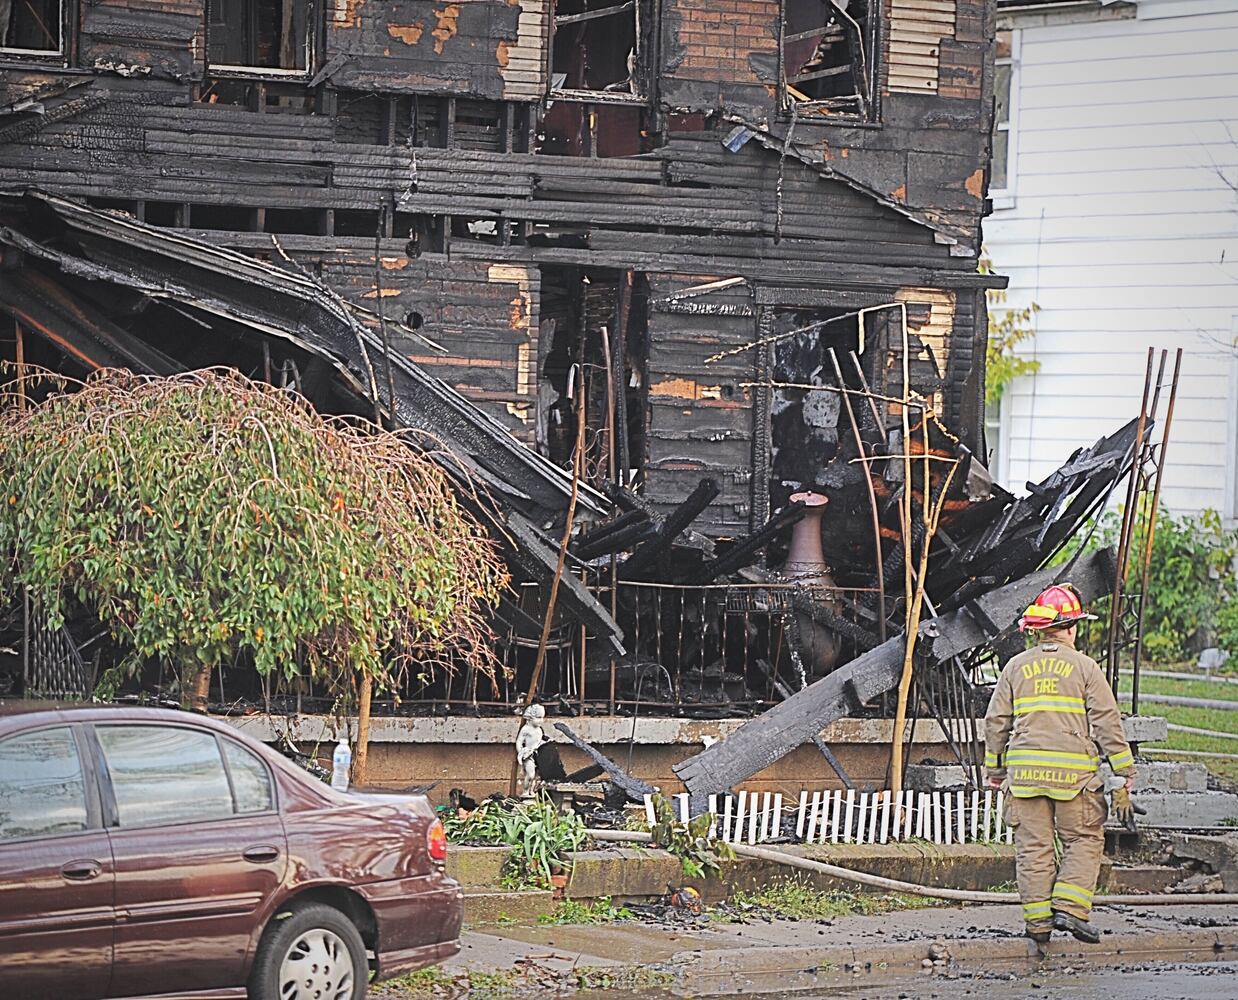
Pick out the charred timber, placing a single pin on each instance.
(771, 736)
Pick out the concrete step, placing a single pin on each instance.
(1170, 776)
(1124, 879)
(1188, 810)
(495, 907)
(477, 866)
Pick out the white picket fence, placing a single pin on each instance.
(851, 817)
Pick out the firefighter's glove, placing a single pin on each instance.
(1123, 807)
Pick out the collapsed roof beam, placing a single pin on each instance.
(772, 735)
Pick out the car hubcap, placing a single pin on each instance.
(317, 966)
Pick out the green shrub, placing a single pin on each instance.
(1191, 584)
(1227, 630)
(540, 835)
(699, 853)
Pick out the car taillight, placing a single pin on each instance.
(436, 841)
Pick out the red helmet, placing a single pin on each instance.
(1057, 606)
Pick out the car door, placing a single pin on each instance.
(199, 848)
(56, 872)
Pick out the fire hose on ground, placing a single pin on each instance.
(932, 892)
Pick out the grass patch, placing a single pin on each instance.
(1180, 688)
(1216, 719)
(435, 982)
(631, 978)
(571, 911)
(432, 981)
(795, 899)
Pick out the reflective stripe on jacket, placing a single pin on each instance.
(1052, 708)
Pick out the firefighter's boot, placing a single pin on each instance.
(1080, 929)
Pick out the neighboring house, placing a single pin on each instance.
(1115, 194)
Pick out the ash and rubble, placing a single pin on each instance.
(797, 622)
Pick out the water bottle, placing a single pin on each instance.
(341, 763)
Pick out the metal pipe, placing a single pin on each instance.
(619, 352)
(872, 501)
(1119, 575)
(1150, 530)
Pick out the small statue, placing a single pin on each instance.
(530, 737)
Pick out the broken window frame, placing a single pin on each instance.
(59, 54)
(312, 15)
(1003, 196)
(865, 104)
(636, 92)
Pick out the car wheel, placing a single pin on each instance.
(310, 952)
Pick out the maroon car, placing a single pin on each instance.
(155, 853)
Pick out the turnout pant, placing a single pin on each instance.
(1045, 885)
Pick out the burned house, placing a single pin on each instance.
(700, 229)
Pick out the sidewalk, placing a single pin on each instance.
(701, 958)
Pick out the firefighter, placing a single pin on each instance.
(1050, 712)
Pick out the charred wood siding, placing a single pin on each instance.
(408, 115)
(700, 416)
(483, 316)
(484, 48)
(156, 38)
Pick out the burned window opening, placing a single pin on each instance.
(356, 222)
(424, 233)
(572, 128)
(264, 36)
(32, 27)
(295, 221)
(596, 47)
(229, 218)
(806, 424)
(828, 51)
(580, 311)
(161, 213)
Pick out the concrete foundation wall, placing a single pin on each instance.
(478, 755)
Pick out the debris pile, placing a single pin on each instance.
(801, 619)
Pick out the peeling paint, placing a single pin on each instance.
(345, 13)
(500, 53)
(899, 193)
(121, 69)
(685, 388)
(524, 369)
(447, 19)
(394, 263)
(387, 293)
(409, 34)
(975, 183)
(519, 314)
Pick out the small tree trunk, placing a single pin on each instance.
(199, 689)
(360, 758)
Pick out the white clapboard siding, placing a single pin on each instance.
(1124, 230)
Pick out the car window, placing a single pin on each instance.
(42, 792)
(251, 782)
(165, 774)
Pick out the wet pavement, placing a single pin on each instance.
(1145, 952)
(1208, 981)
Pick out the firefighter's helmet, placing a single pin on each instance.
(1055, 607)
